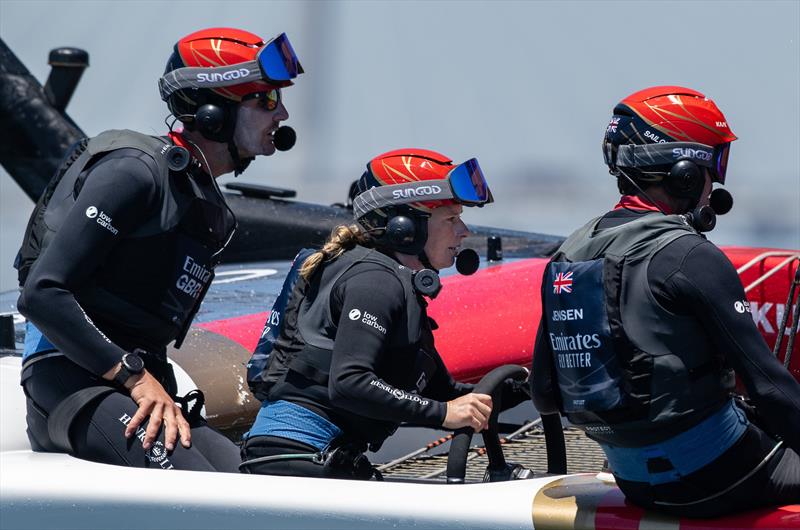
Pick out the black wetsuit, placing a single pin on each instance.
(376, 381)
(99, 289)
(691, 276)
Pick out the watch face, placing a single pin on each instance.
(133, 363)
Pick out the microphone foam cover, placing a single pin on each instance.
(284, 138)
(721, 201)
(467, 261)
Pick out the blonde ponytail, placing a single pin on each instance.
(342, 238)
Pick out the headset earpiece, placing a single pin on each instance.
(702, 219)
(210, 120)
(685, 179)
(427, 283)
(400, 231)
(178, 158)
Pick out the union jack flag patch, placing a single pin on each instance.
(562, 283)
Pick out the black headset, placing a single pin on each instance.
(215, 121)
(685, 180)
(405, 234)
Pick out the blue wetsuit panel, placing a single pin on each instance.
(291, 421)
(688, 451)
(35, 342)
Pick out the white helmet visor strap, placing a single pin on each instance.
(397, 194)
(665, 154)
(216, 77)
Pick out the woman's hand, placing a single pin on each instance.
(469, 410)
(154, 401)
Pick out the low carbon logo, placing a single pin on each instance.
(91, 212)
(355, 314)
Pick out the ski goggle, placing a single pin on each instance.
(714, 158)
(464, 184)
(267, 100)
(468, 184)
(277, 60)
(275, 63)
(721, 154)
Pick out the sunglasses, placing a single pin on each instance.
(267, 100)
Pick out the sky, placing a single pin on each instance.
(527, 87)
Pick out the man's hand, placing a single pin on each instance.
(469, 410)
(153, 401)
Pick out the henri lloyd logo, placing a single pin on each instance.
(216, 77)
(562, 283)
(157, 454)
(101, 218)
(397, 393)
(416, 192)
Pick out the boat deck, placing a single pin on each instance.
(528, 449)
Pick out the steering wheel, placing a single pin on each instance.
(490, 384)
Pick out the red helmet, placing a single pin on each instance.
(666, 115)
(223, 66)
(385, 194)
(215, 47)
(408, 165)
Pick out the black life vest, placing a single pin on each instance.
(154, 279)
(310, 316)
(629, 372)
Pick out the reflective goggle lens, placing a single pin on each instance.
(278, 61)
(468, 183)
(267, 100)
(722, 154)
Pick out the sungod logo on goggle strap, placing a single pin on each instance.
(416, 192)
(686, 152)
(226, 76)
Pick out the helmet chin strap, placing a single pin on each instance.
(423, 258)
(239, 164)
(640, 190)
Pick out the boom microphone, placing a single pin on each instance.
(467, 261)
(721, 201)
(284, 138)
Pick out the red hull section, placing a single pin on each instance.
(491, 318)
(583, 502)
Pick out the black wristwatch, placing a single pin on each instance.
(130, 365)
